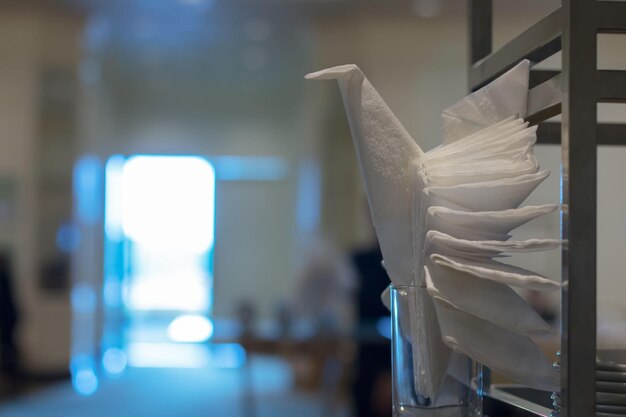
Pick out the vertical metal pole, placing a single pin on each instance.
(480, 29)
(480, 26)
(578, 216)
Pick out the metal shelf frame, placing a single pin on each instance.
(573, 93)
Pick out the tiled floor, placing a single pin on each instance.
(181, 392)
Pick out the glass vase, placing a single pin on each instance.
(459, 394)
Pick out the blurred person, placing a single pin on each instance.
(543, 305)
(247, 316)
(8, 320)
(324, 302)
(372, 380)
(371, 387)
(324, 293)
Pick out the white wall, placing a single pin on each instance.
(32, 41)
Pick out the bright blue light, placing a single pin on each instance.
(186, 355)
(228, 355)
(174, 288)
(87, 189)
(250, 168)
(309, 196)
(84, 379)
(114, 361)
(168, 202)
(112, 293)
(197, 2)
(83, 298)
(190, 329)
(113, 198)
(97, 31)
(68, 237)
(85, 382)
(383, 325)
(168, 355)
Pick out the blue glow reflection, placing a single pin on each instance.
(184, 355)
(250, 168)
(383, 325)
(87, 189)
(85, 382)
(190, 328)
(114, 361)
(84, 379)
(83, 298)
(113, 198)
(68, 237)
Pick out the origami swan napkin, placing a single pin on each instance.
(384, 150)
(444, 216)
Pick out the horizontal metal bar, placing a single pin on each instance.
(611, 16)
(608, 134)
(541, 76)
(501, 402)
(537, 43)
(544, 101)
(611, 134)
(549, 133)
(611, 86)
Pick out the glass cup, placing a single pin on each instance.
(461, 391)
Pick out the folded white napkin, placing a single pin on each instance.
(490, 195)
(505, 307)
(502, 98)
(513, 354)
(497, 271)
(441, 243)
(501, 222)
(443, 216)
(462, 232)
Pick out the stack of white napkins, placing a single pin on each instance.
(443, 219)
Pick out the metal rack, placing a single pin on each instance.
(574, 93)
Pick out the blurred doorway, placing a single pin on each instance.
(158, 263)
